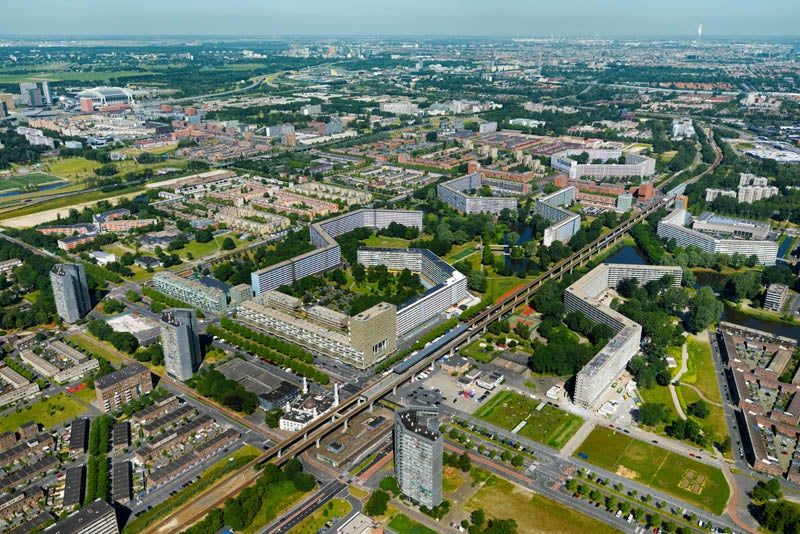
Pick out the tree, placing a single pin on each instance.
(359, 273)
(704, 309)
(273, 417)
(228, 244)
(652, 413)
(376, 505)
(725, 445)
(478, 518)
(132, 295)
(764, 491)
(203, 236)
(126, 259)
(698, 409)
(389, 484)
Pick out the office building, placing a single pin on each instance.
(48, 96)
(713, 194)
(565, 223)
(97, 517)
(682, 128)
(120, 387)
(24, 90)
(634, 166)
(180, 342)
(720, 235)
(328, 254)
(776, 296)
(70, 290)
(586, 296)
(418, 455)
(624, 202)
(458, 194)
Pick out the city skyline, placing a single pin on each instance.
(620, 18)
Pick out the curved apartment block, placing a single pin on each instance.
(587, 296)
(566, 224)
(328, 254)
(455, 193)
(719, 235)
(449, 284)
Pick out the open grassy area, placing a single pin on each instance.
(95, 347)
(388, 242)
(451, 480)
(687, 479)
(533, 513)
(46, 412)
(549, 425)
(69, 76)
(478, 353)
(402, 523)
(86, 394)
(69, 201)
(73, 167)
(714, 426)
(317, 520)
(659, 395)
(199, 250)
(703, 375)
(26, 180)
(358, 493)
(459, 252)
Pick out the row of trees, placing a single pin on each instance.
(122, 341)
(97, 475)
(230, 393)
(255, 348)
(274, 485)
(289, 349)
(159, 301)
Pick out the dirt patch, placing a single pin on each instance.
(449, 471)
(627, 473)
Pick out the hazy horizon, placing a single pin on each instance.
(678, 19)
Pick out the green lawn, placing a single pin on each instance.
(534, 513)
(200, 250)
(714, 426)
(402, 523)
(476, 352)
(46, 412)
(317, 520)
(281, 496)
(86, 394)
(70, 76)
(659, 395)
(24, 180)
(95, 347)
(452, 482)
(658, 468)
(73, 167)
(387, 242)
(549, 425)
(703, 374)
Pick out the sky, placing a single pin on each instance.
(513, 18)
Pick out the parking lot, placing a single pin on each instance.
(441, 388)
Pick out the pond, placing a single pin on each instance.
(780, 329)
(629, 255)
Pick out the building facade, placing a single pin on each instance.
(180, 341)
(585, 296)
(192, 292)
(456, 194)
(719, 235)
(634, 166)
(70, 290)
(565, 223)
(418, 448)
(122, 386)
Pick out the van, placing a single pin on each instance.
(630, 518)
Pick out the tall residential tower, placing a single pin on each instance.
(418, 455)
(180, 341)
(70, 291)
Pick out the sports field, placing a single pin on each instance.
(681, 476)
(24, 180)
(549, 425)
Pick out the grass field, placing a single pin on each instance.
(86, 394)
(47, 412)
(549, 425)
(402, 523)
(657, 468)
(317, 520)
(476, 352)
(533, 513)
(388, 242)
(659, 395)
(68, 202)
(358, 493)
(70, 76)
(281, 496)
(451, 482)
(714, 426)
(25, 180)
(73, 167)
(95, 347)
(701, 365)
